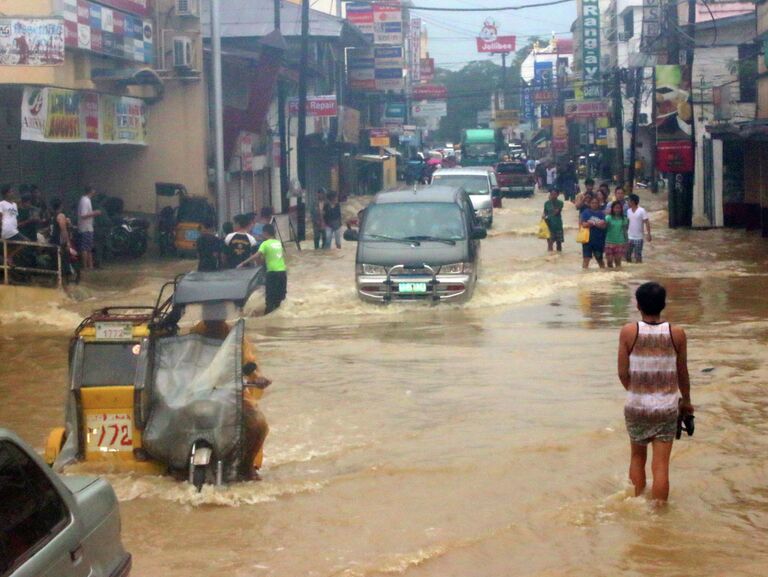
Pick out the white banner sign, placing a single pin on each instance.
(430, 109)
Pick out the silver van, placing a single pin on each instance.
(418, 245)
(480, 184)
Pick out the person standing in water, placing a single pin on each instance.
(270, 254)
(552, 215)
(653, 368)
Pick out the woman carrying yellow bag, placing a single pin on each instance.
(553, 221)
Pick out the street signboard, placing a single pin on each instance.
(429, 92)
(414, 54)
(379, 136)
(506, 118)
(387, 23)
(361, 15)
(31, 41)
(590, 46)
(483, 116)
(317, 106)
(497, 45)
(427, 67)
(542, 96)
(584, 109)
(430, 109)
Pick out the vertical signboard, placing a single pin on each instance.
(590, 46)
(674, 119)
(559, 134)
(651, 25)
(414, 53)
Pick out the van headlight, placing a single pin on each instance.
(371, 269)
(485, 212)
(456, 268)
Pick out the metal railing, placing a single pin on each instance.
(7, 268)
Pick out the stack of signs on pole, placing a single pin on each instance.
(388, 67)
(360, 69)
(651, 25)
(590, 45)
(674, 117)
(542, 82)
(388, 23)
(414, 52)
(361, 15)
(31, 41)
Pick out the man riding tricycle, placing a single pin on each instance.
(170, 388)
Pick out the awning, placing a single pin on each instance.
(371, 158)
(126, 76)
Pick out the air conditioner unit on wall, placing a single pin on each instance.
(187, 8)
(182, 52)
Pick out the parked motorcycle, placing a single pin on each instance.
(117, 235)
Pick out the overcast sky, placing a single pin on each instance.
(452, 34)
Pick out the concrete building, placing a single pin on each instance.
(129, 95)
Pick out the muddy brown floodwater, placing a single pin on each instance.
(485, 439)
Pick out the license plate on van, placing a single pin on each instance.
(412, 287)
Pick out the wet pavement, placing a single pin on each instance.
(483, 439)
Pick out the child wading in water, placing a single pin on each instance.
(553, 209)
(615, 241)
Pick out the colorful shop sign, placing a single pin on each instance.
(674, 119)
(31, 41)
(59, 115)
(96, 28)
(590, 45)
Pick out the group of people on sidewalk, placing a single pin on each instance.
(27, 217)
(610, 228)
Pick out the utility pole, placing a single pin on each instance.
(618, 120)
(281, 129)
(301, 149)
(218, 116)
(637, 87)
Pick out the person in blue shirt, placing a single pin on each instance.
(593, 218)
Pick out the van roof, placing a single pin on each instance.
(466, 170)
(435, 193)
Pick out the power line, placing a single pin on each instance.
(486, 9)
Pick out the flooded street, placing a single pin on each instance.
(484, 439)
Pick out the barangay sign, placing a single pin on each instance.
(590, 27)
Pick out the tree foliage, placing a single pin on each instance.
(471, 88)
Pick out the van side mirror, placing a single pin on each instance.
(351, 235)
(479, 233)
(496, 192)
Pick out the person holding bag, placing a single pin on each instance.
(553, 220)
(593, 220)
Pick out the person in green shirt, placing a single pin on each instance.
(615, 238)
(270, 253)
(553, 210)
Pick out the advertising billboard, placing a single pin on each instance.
(31, 41)
(674, 119)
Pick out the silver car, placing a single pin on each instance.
(479, 182)
(53, 526)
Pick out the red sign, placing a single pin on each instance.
(499, 44)
(674, 156)
(543, 96)
(576, 109)
(429, 92)
(317, 106)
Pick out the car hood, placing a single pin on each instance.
(393, 253)
(481, 201)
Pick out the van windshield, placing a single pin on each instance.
(413, 220)
(473, 184)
